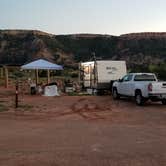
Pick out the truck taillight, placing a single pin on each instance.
(150, 87)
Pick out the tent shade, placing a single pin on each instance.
(42, 64)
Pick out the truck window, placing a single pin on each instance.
(127, 78)
(145, 77)
(130, 77)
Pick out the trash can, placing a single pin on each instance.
(33, 90)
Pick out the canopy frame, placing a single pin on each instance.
(41, 64)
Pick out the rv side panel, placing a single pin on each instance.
(110, 70)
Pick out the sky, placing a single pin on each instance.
(114, 17)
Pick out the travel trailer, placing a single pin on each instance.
(101, 74)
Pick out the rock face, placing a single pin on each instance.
(138, 49)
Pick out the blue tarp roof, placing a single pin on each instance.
(42, 64)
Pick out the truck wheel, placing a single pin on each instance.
(164, 101)
(115, 94)
(139, 99)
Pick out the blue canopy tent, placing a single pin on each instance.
(41, 64)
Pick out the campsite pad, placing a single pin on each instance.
(81, 130)
(93, 108)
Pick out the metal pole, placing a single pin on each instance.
(79, 74)
(6, 77)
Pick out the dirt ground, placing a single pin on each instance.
(80, 131)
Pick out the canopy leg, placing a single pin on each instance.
(37, 77)
(48, 76)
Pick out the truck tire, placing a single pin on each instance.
(115, 94)
(139, 98)
(164, 101)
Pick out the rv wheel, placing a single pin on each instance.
(164, 101)
(100, 92)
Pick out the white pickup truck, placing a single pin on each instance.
(142, 86)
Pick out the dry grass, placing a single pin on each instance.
(26, 107)
(3, 108)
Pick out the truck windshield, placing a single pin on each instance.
(145, 77)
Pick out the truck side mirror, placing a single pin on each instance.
(120, 80)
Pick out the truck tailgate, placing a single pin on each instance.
(159, 88)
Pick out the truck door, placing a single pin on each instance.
(126, 85)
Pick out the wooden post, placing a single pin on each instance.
(16, 97)
(2, 72)
(37, 77)
(48, 76)
(6, 77)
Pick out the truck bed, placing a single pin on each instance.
(158, 88)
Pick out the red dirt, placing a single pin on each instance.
(81, 130)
